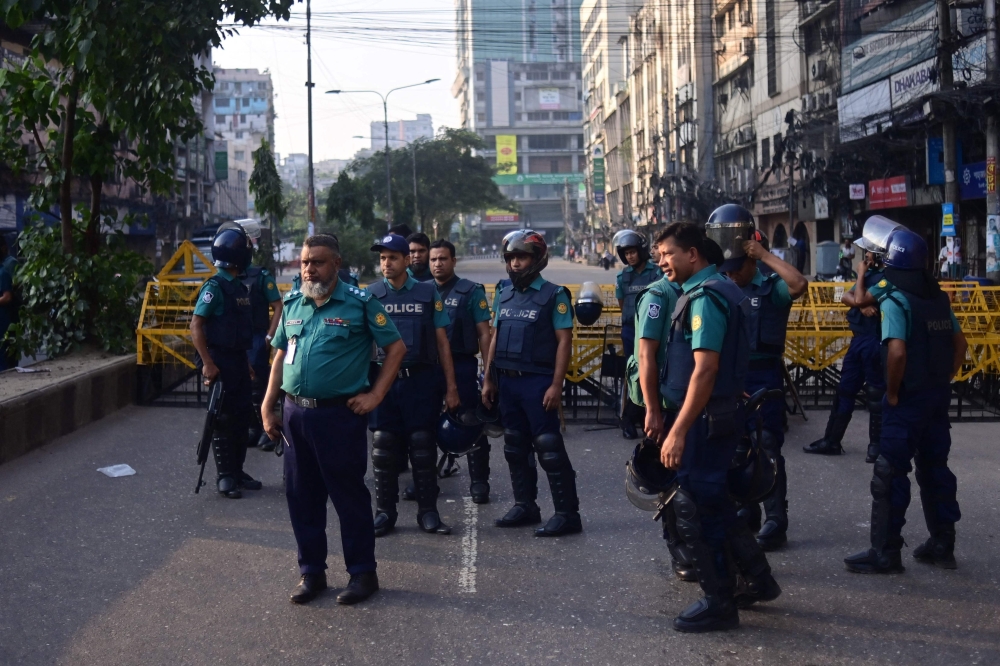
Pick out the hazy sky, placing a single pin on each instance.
(357, 44)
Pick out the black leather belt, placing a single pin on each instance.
(519, 373)
(313, 403)
(411, 372)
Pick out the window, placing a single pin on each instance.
(538, 115)
(550, 141)
(720, 26)
(562, 76)
(246, 101)
(220, 120)
(538, 76)
(772, 48)
(732, 19)
(517, 97)
(243, 117)
(239, 155)
(481, 117)
(221, 102)
(560, 115)
(779, 147)
(553, 166)
(239, 135)
(238, 88)
(765, 153)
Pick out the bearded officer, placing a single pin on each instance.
(654, 306)
(530, 351)
(707, 359)
(323, 349)
(862, 365)
(406, 421)
(639, 272)
(420, 248)
(469, 332)
(922, 349)
(222, 333)
(770, 296)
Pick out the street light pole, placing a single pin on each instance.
(416, 213)
(385, 124)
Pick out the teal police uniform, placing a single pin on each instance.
(712, 315)
(327, 355)
(406, 421)
(629, 283)
(224, 303)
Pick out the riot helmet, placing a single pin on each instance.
(906, 251)
(231, 248)
(729, 226)
(646, 477)
(458, 434)
(627, 238)
(251, 226)
(531, 243)
(875, 235)
(589, 304)
(752, 475)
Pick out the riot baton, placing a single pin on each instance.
(215, 396)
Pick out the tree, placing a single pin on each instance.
(350, 215)
(269, 200)
(451, 180)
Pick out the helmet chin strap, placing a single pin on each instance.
(520, 279)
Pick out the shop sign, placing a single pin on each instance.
(948, 220)
(972, 181)
(991, 175)
(888, 193)
(857, 191)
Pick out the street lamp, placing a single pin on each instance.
(385, 124)
(413, 156)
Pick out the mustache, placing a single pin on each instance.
(316, 289)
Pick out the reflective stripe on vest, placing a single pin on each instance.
(526, 338)
(412, 311)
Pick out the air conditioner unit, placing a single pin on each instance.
(819, 70)
(805, 102)
(746, 46)
(824, 99)
(720, 46)
(723, 99)
(812, 102)
(746, 19)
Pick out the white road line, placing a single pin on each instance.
(470, 547)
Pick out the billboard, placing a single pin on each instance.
(889, 193)
(548, 99)
(506, 154)
(910, 39)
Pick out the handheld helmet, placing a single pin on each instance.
(589, 304)
(729, 226)
(231, 248)
(875, 235)
(752, 475)
(490, 418)
(531, 243)
(458, 434)
(627, 238)
(906, 251)
(646, 477)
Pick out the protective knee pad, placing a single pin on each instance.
(516, 448)
(874, 394)
(226, 457)
(552, 454)
(479, 461)
(423, 451)
(882, 478)
(384, 448)
(881, 506)
(688, 521)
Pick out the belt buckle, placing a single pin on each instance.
(308, 403)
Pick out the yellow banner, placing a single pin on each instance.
(506, 154)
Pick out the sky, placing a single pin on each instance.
(355, 47)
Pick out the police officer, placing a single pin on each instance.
(221, 330)
(770, 296)
(406, 421)
(323, 348)
(639, 272)
(420, 248)
(922, 349)
(469, 332)
(707, 359)
(530, 350)
(652, 327)
(862, 365)
(265, 304)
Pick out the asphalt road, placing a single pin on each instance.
(139, 570)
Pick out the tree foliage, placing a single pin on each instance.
(451, 179)
(266, 187)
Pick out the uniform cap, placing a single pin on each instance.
(393, 243)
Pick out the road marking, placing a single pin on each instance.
(470, 547)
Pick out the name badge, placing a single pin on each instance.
(293, 322)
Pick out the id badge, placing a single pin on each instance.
(293, 345)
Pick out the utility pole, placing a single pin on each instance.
(309, 95)
(948, 124)
(388, 168)
(992, 202)
(565, 216)
(789, 150)
(416, 211)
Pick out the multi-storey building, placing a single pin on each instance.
(242, 115)
(522, 93)
(401, 132)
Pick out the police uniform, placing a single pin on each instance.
(406, 421)
(466, 305)
(917, 429)
(225, 304)
(526, 344)
(628, 285)
(861, 367)
(712, 315)
(327, 352)
(770, 304)
(655, 305)
(263, 291)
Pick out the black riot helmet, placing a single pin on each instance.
(589, 304)
(232, 248)
(458, 434)
(627, 238)
(531, 243)
(729, 226)
(752, 474)
(646, 477)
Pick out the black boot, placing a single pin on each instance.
(227, 466)
(423, 460)
(772, 534)
(385, 446)
(361, 586)
(884, 556)
(247, 482)
(938, 550)
(308, 588)
(830, 443)
(755, 582)
(265, 443)
(410, 493)
(562, 481)
(716, 611)
(479, 472)
(524, 481)
(887, 560)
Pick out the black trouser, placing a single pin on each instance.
(229, 441)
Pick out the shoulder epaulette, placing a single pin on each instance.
(291, 296)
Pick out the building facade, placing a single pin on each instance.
(401, 132)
